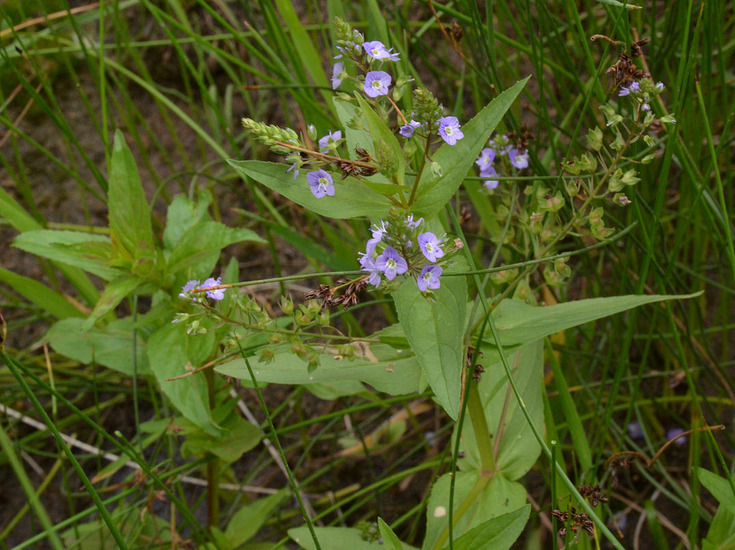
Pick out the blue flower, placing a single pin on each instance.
(486, 158)
(491, 173)
(391, 263)
(407, 130)
(676, 432)
(377, 50)
(321, 183)
(413, 224)
(337, 75)
(635, 430)
(449, 129)
(430, 246)
(376, 83)
(188, 287)
(216, 294)
(328, 141)
(379, 231)
(368, 265)
(634, 88)
(517, 159)
(429, 278)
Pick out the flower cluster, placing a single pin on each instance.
(505, 153)
(642, 92)
(399, 246)
(369, 60)
(215, 294)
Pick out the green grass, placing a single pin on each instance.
(176, 77)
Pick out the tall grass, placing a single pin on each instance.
(177, 76)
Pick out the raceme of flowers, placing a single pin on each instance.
(399, 247)
(369, 58)
(642, 92)
(499, 149)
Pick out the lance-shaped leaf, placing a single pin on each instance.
(83, 250)
(352, 198)
(204, 239)
(434, 191)
(388, 152)
(520, 323)
(509, 432)
(477, 498)
(130, 219)
(172, 352)
(435, 330)
(383, 367)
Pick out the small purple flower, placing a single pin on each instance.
(337, 74)
(635, 430)
(493, 182)
(321, 183)
(329, 139)
(634, 88)
(486, 158)
(430, 246)
(188, 287)
(645, 107)
(449, 129)
(413, 224)
(216, 294)
(369, 251)
(519, 160)
(376, 83)
(659, 87)
(391, 263)
(295, 168)
(429, 278)
(674, 432)
(368, 265)
(377, 50)
(379, 231)
(407, 130)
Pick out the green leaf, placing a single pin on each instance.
(520, 323)
(311, 60)
(130, 219)
(203, 240)
(387, 149)
(518, 449)
(386, 369)
(335, 538)
(390, 540)
(477, 499)
(721, 534)
(352, 199)
(355, 132)
(115, 292)
(495, 534)
(45, 298)
(435, 330)
(172, 352)
(16, 215)
(248, 520)
(455, 160)
(64, 246)
(183, 214)
(110, 346)
(241, 436)
(720, 487)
